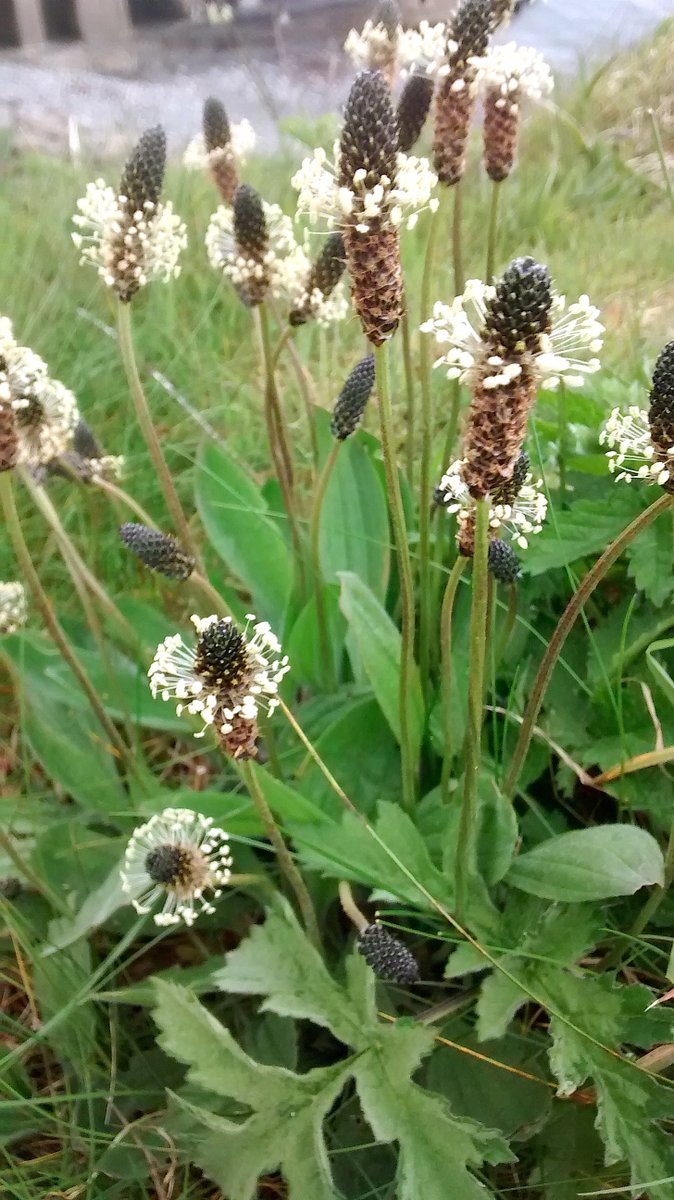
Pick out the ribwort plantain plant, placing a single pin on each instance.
(379, 854)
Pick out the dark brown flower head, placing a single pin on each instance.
(9, 438)
(222, 660)
(413, 109)
(470, 28)
(85, 442)
(520, 311)
(169, 864)
(352, 400)
(216, 127)
(143, 175)
(158, 551)
(503, 562)
(369, 141)
(252, 241)
(510, 489)
(661, 404)
(387, 956)
(325, 274)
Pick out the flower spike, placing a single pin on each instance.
(159, 551)
(352, 400)
(641, 442)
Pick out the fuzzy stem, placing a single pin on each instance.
(425, 594)
(409, 395)
(465, 849)
(493, 231)
(457, 240)
(30, 574)
(446, 667)
(351, 908)
(564, 627)
(149, 432)
(404, 571)
(308, 397)
(117, 493)
(315, 529)
(285, 859)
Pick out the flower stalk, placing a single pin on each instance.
(327, 662)
(564, 627)
(149, 432)
(465, 849)
(404, 571)
(446, 621)
(493, 230)
(285, 859)
(425, 362)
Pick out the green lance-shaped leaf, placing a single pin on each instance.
(590, 864)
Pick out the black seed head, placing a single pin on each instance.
(11, 887)
(389, 958)
(520, 311)
(470, 28)
(250, 224)
(369, 139)
(503, 562)
(389, 15)
(502, 10)
(662, 389)
(168, 865)
(159, 551)
(352, 400)
(413, 107)
(143, 174)
(84, 441)
(325, 274)
(508, 492)
(215, 124)
(221, 659)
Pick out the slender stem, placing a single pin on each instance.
(308, 397)
(457, 239)
(123, 497)
(148, 430)
(278, 435)
(493, 231)
(73, 558)
(42, 601)
(280, 345)
(409, 395)
(446, 666)
(564, 627)
(404, 571)
(425, 363)
(465, 848)
(313, 753)
(350, 907)
(285, 859)
(315, 529)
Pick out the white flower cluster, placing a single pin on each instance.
(426, 49)
(373, 46)
(422, 49)
(13, 608)
(241, 145)
(225, 256)
(565, 355)
(523, 517)
(173, 676)
(320, 196)
(176, 857)
(631, 454)
(514, 72)
(45, 411)
(128, 248)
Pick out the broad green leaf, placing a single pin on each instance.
(243, 532)
(277, 961)
(379, 643)
(659, 672)
(303, 644)
(354, 526)
(436, 1148)
(284, 1130)
(72, 748)
(95, 911)
(348, 851)
(650, 556)
(586, 527)
(286, 802)
(590, 864)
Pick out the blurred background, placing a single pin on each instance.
(88, 75)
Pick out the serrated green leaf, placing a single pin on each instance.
(354, 525)
(590, 864)
(650, 556)
(586, 527)
(378, 642)
(243, 533)
(277, 961)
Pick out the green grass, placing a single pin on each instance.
(572, 203)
